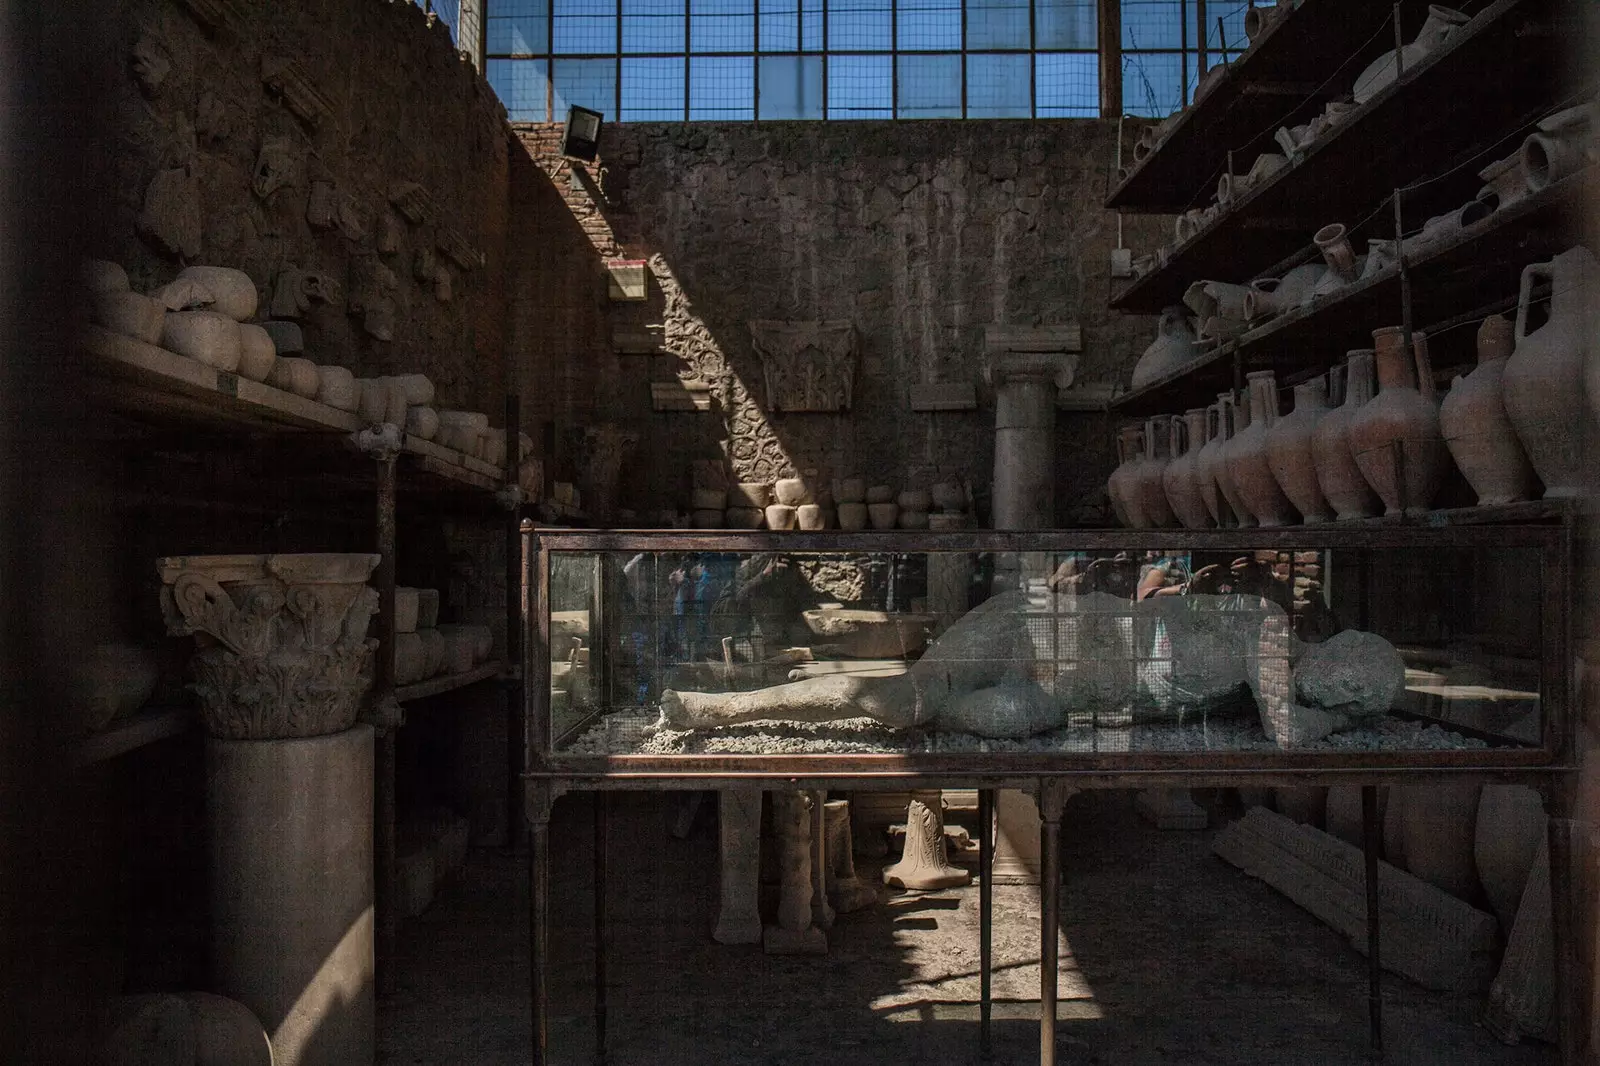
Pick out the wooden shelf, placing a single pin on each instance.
(1282, 73)
(421, 690)
(143, 727)
(1494, 74)
(1482, 263)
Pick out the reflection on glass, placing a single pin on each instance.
(774, 653)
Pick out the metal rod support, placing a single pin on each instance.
(602, 833)
(985, 921)
(384, 839)
(1050, 928)
(538, 937)
(1371, 843)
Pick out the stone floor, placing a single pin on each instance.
(1168, 956)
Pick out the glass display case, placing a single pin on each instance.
(1386, 647)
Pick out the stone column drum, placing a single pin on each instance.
(280, 673)
(739, 833)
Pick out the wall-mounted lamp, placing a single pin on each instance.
(582, 138)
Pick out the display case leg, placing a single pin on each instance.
(1371, 843)
(538, 808)
(602, 832)
(985, 919)
(1558, 802)
(1050, 922)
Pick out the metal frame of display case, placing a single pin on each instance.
(1053, 777)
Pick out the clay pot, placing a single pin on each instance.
(256, 352)
(1437, 824)
(1178, 480)
(422, 422)
(418, 389)
(1173, 348)
(435, 649)
(791, 491)
(1258, 19)
(1380, 73)
(129, 314)
(1147, 473)
(494, 446)
(461, 647)
(336, 387)
(709, 499)
(1122, 485)
(912, 520)
(1289, 453)
(1510, 827)
(706, 518)
(293, 374)
(1505, 182)
(1477, 431)
(1333, 242)
(1341, 480)
(1380, 257)
(850, 490)
(914, 500)
(410, 658)
(207, 337)
(883, 515)
(232, 292)
(1248, 463)
(944, 521)
(108, 682)
(383, 400)
(1546, 158)
(949, 496)
(1543, 382)
(746, 517)
(407, 605)
(1219, 308)
(1235, 420)
(852, 516)
(427, 608)
(1395, 439)
(1441, 229)
(1205, 468)
(780, 516)
(1269, 296)
(755, 494)
(880, 494)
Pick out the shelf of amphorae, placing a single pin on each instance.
(1497, 73)
(151, 383)
(1288, 68)
(435, 686)
(1477, 268)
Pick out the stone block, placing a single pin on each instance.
(690, 395)
(626, 279)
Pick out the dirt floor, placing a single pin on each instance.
(1168, 955)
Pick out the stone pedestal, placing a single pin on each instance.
(1170, 808)
(1016, 842)
(290, 823)
(846, 890)
(794, 934)
(925, 864)
(739, 832)
(821, 907)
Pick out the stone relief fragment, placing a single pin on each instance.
(296, 290)
(412, 201)
(808, 366)
(170, 217)
(152, 62)
(279, 165)
(289, 80)
(217, 16)
(371, 286)
(460, 251)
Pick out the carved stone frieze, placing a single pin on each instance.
(412, 201)
(296, 290)
(458, 248)
(283, 647)
(300, 94)
(808, 366)
(217, 16)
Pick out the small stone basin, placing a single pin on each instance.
(859, 634)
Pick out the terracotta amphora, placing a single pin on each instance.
(1205, 467)
(1122, 485)
(1476, 429)
(1543, 382)
(1152, 494)
(1395, 439)
(1340, 479)
(1173, 347)
(1235, 420)
(1289, 451)
(1248, 465)
(1179, 478)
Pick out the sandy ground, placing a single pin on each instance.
(1168, 956)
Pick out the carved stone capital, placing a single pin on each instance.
(381, 442)
(283, 648)
(808, 366)
(1002, 368)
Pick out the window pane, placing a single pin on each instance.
(860, 87)
(858, 26)
(520, 85)
(722, 25)
(585, 27)
(791, 87)
(780, 29)
(1065, 24)
(1156, 24)
(1151, 84)
(930, 86)
(590, 83)
(997, 24)
(652, 26)
(929, 25)
(1232, 36)
(722, 87)
(811, 25)
(998, 86)
(652, 89)
(1068, 86)
(518, 27)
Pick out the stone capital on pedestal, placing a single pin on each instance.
(1031, 353)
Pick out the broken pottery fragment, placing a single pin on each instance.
(296, 375)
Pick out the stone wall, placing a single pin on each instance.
(918, 233)
(344, 138)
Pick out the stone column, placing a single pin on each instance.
(794, 934)
(289, 786)
(739, 830)
(845, 889)
(924, 866)
(1026, 367)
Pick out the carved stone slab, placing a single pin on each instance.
(690, 395)
(300, 94)
(626, 279)
(808, 366)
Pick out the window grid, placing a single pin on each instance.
(742, 60)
